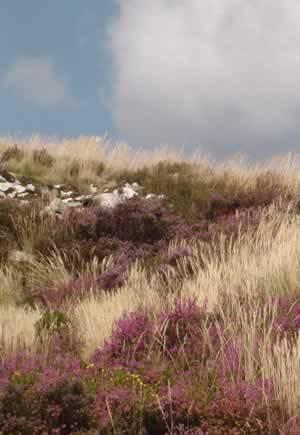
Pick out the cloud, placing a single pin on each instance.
(35, 79)
(219, 77)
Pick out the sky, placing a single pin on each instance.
(215, 77)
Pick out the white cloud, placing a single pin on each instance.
(35, 79)
(223, 75)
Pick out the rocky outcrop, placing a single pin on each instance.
(23, 189)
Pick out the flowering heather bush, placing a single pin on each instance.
(129, 341)
(136, 384)
(182, 332)
(77, 288)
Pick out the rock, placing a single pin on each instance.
(19, 189)
(80, 198)
(66, 194)
(30, 188)
(106, 200)
(12, 194)
(67, 200)
(150, 195)
(58, 186)
(5, 187)
(20, 256)
(2, 195)
(128, 193)
(23, 194)
(57, 206)
(2, 179)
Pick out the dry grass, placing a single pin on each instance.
(17, 330)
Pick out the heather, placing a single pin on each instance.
(177, 314)
(196, 382)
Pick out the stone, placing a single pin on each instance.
(30, 188)
(128, 193)
(67, 200)
(23, 194)
(66, 194)
(56, 206)
(20, 189)
(2, 195)
(12, 194)
(80, 198)
(5, 187)
(150, 195)
(2, 179)
(106, 200)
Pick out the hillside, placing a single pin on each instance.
(147, 293)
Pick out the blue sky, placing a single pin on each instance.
(65, 47)
(215, 77)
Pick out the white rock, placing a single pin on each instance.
(150, 195)
(30, 188)
(107, 200)
(12, 194)
(22, 195)
(4, 187)
(57, 186)
(66, 194)
(20, 189)
(80, 198)
(2, 195)
(2, 179)
(67, 200)
(128, 193)
(162, 196)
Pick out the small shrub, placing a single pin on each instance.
(43, 158)
(13, 152)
